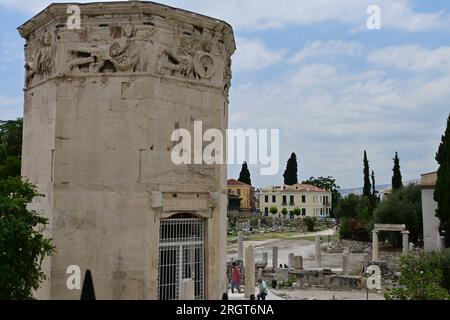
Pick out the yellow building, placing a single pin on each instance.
(245, 192)
(311, 200)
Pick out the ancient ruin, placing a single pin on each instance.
(101, 103)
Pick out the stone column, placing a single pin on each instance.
(187, 291)
(240, 245)
(259, 224)
(249, 271)
(345, 262)
(275, 257)
(405, 236)
(318, 249)
(265, 257)
(374, 245)
(290, 260)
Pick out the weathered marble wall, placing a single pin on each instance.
(101, 104)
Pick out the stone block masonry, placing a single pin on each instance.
(100, 106)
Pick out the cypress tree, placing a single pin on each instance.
(290, 175)
(367, 187)
(397, 176)
(442, 190)
(374, 191)
(244, 176)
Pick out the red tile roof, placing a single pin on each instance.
(234, 182)
(303, 187)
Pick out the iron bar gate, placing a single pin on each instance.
(181, 256)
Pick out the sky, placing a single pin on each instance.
(313, 70)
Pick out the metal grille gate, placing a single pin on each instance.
(181, 256)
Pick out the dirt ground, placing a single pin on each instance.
(318, 294)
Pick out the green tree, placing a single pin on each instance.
(22, 244)
(329, 184)
(290, 175)
(367, 188)
(402, 207)
(397, 175)
(310, 223)
(10, 148)
(297, 212)
(347, 207)
(244, 176)
(273, 210)
(442, 190)
(284, 212)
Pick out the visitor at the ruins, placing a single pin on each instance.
(235, 278)
(263, 291)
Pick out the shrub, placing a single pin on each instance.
(273, 210)
(423, 277)
(352, 229)
(310, 223)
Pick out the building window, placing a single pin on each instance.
(284, 201)
(239, 192)
(229, 191)
(291, 201)
(303, 212)
(266, 212)
(266, 199)
(303, 199)
(274, 199)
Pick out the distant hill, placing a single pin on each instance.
(381, 188)
(359, 191)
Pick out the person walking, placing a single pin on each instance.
(235, 278)
(263, 291)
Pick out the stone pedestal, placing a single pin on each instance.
(275, 257)
(101, 107)
(375, 246)
(405, 238)
(318, 252)
(250, 282)
(187, 289)
(345, 263)
(240, 246)
(290, 260)
(298, 262)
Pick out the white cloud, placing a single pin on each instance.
(269, 14)
(326, 49)
(253, 55)
(412, 58)
(330, 114)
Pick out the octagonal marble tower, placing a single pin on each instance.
(101, 103)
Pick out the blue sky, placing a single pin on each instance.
(313, 70)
